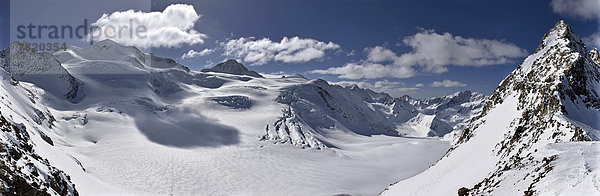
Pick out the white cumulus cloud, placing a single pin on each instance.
(592, 41)
(172, 27)
(192, 53)
(368, 70)
(434, 51)
(431, 53)
(447, 83)
(288, 50)
(584, 9)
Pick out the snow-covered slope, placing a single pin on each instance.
(42, 69)
(318, 111)
(150, 126)
(232, 67)
(449, 112)
(530, 137)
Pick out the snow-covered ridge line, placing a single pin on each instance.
(232, 67)
(41, 68)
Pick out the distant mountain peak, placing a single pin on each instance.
(231, 66)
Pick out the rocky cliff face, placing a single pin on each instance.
(22, 170)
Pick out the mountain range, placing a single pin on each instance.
(110, 119)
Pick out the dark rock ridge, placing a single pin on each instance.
(23, 171)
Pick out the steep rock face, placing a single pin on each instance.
(551, 97)
(232, 67)
(41, 69)
(22, 171)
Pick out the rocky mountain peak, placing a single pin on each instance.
(560, 64)
(562, 35)
(551, 98)
(559, 78)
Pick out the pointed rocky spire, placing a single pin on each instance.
(562, 35)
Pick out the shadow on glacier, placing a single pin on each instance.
(185, 128)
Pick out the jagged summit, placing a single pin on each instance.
(563, 35)
(232, 67)
(511, 148)
(560, 65)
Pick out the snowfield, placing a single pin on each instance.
(149, 126)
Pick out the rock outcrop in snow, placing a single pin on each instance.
(509, 149)
(23, 171)
(595, 56)
(291, 129)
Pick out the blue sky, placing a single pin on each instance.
(480, 41)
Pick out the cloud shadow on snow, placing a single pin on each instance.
(185, 128)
